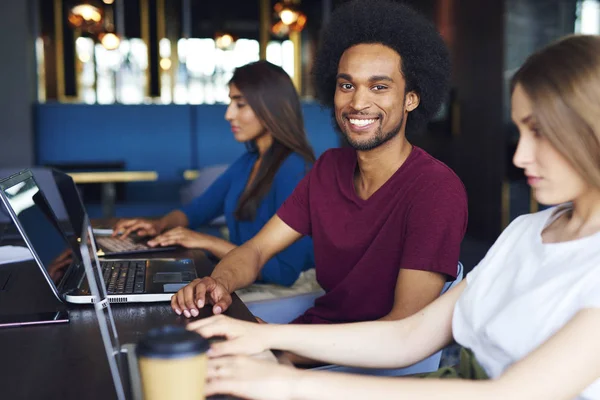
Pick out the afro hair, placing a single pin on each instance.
(424, 55)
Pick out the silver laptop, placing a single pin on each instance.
(109, 246)
(122, 361)
(59, 257)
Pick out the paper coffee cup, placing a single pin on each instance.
(172, 364)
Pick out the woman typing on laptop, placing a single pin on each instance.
(265, 114)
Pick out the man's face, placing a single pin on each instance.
(370, 100)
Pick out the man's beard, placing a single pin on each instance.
(377, 140)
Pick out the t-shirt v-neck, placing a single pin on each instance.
(347, 174)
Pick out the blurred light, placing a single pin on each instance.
(290, 18)
(224, 41)
(85, 16)
(87, 12)
(84, 57)
(108, 1)
(109, 40)
(280, 29)
(300, 23)
(590, 17)
(165, 63)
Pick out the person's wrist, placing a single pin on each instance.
(295, 378)
(222, 282)
(205, 242)
(160, 225)
(273, 337)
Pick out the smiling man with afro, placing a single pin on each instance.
(425, 62)
(386, 218)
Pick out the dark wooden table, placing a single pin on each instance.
(68, 361)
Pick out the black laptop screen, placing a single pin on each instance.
(41, 228)
(71, 199)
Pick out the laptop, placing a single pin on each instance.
(122, 361)
(109, 246)
(59, 257)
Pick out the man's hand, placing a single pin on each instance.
(243, 337)
(195, 295)
(143, 227)
(182, 237)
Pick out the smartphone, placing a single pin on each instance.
(53, 317)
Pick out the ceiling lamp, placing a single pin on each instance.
(85, 17)
(109, 40)
(224, 41)
(290, 16)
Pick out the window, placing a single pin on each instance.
(197, 74)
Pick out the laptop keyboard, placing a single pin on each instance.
(124, 277)
(116, 245)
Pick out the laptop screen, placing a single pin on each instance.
(40, 227)
(71, 199)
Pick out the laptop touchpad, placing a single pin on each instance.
(167, 277)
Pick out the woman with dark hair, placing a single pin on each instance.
(529, 313)
(266, 115)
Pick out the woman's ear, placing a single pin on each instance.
(411, 101)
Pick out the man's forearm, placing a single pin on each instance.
(239, 268)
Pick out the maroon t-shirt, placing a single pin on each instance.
(416, 220)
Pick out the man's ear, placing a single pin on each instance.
(411, 101)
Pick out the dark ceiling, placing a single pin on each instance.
(206, 17)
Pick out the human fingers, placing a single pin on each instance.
(221, 299)
(139, 226)
(121, 225)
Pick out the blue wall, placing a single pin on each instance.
(167, 139)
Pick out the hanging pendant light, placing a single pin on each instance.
(290, 18)
(86, 17)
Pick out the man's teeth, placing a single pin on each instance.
(362, 122)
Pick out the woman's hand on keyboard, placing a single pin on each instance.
(182, 237)
(143, 227)
(242, 337)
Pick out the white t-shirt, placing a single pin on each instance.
(524, 291)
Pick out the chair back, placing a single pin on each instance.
(430, 364)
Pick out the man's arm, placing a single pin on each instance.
(415, 289)
(435, 228)
(238, 269)
(242, 265)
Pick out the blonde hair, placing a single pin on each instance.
(563, 83)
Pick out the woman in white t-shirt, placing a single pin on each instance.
(529, 312)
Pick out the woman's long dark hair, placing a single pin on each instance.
(270, 93)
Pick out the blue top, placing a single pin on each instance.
(221, 198)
